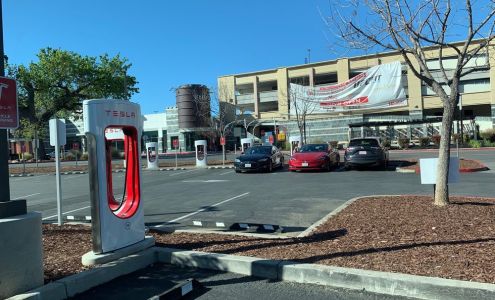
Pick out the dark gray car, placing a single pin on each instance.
(259, 158)
(366, 152)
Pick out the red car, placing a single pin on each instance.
(314, 157)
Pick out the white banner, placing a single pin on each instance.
(379, 87)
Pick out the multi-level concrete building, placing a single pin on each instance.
(265, 93)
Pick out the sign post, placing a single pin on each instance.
(75, 146)
(57, 139)
(175, 144)
(9, 119)
(222, 142)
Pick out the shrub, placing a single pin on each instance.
(488, 135)
(403, 143)
(436, 139)
(474, 144)
(386, 143)
(76, 153)
(486, 143)
(70, 156)
(27, 156)
(84, 156)
(424, 141)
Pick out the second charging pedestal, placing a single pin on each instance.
(201, 153)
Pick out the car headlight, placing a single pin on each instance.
(292, 159)
(237, 160)
(263, 160)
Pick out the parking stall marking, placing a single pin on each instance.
(203, 209)
(26, 196)
(227, 172)
(175, 174)
(67, 212)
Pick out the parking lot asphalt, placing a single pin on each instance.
(292, 200)
(155, 280)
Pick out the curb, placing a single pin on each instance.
(21, 175)
(403, 170)
(394, 284)
(81, 282)
(416, 169)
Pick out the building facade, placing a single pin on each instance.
(265, 94)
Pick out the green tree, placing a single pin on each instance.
(60, 80)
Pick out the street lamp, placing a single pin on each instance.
(223, 136)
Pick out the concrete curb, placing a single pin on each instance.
(403, 170)
(78, 283)
(394, 284)
(313, 227)
(21, 175)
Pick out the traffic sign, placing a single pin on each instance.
(222, 140)
(270, 139)
(175, 143)
(9, 113)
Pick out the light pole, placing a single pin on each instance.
(223, 136)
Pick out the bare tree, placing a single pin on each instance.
(301, 105)
(422, 32)
(215, 115)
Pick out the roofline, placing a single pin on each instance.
(367, 56)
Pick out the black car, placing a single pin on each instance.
(259, 158)
(366, 152)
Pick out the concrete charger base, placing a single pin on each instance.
(91, 259)
(21, 254)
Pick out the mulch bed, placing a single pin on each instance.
(465, 165)
(405, 234)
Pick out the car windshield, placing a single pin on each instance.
(259, 150)
(314, 148)
(364, 143)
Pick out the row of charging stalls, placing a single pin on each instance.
(152, 155)
(201, 153)
(117, 221)
(246, 143)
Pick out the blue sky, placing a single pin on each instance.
(171, 43)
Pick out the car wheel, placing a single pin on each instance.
(237, 171)
(347, 167)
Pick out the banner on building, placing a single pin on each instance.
(378, 87)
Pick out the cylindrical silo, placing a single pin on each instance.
(193, 105)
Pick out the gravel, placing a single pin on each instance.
(405, 234)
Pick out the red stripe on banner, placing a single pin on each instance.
(356, 101)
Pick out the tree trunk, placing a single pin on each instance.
(442, 189)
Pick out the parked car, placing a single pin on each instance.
(366, 152)
(259, 158)
(314, 157)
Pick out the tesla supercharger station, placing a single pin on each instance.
(152, 155)
(294, 141)
(246, 143)
(117, 222)
(201, 153)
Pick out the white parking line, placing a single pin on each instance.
(203, 209)
(175, 174)
(67, 212)
(227, 172)
(26, 196)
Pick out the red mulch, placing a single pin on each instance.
(405, 234)
(465, 165)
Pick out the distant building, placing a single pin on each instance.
(265, 94)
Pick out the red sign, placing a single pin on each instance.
(75, 146)
(270, 139)
(9, 116)
(175, 143)
(222, 140)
